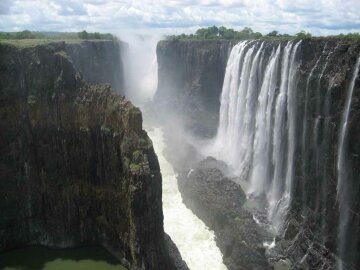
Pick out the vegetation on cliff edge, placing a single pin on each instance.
(26, 34)
(27, 38)
(217, 33)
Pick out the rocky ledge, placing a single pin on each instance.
(218, 201)
(76, 167)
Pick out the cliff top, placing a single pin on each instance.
(28, 38)
(223, 33)
(164, 42)
(24, 43)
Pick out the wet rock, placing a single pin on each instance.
(315, 208)
(76, 167)
(192, 86)
(218, 201)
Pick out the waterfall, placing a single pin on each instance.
(341, 166)
(261, 158)
(271, 131)
(304, 148)
(257, 127)
(343, 173)
(195, 241)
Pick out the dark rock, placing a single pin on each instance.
(100, 62)
(218, 201)
(174, 254)
(314, 206)
(76, 168)
(191, 75)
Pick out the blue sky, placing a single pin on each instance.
(174, 16)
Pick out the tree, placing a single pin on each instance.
(201, 32)
(247, 31)
(222, 31)
(303, 35)
(273, 34)
(212, 32)
(257, 35)
(227, 33)
(24, 35)
(207, 33)
(97, 35)
(83, 35)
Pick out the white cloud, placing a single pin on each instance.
(291, 16)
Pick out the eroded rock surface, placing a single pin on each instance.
(76, 167)
(218, 201)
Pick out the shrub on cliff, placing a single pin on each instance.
(26, 34)
(214, 32)
(222, 32)
(303, 35)
(96, 35)
(83, 35)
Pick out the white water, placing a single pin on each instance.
(305, 119)
(194, 240)
(342, 169)
(257, 129)
(263, 125)
(341, 153)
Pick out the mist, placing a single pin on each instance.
(140, 66)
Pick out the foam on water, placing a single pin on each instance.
(193, 238)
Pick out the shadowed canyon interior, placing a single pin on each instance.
(250, 158)
(286, 126)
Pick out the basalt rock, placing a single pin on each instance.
(76, 167)
(191, 75)
(100, 62)
(326, 67)
(218, 201)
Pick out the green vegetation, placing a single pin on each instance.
(303, 35)
(27, 38)
(137, 156)
(222, 32)
(355, 36)
(26, 34)
(89, 258)
(216, 33)
(96, 35)
(135, 168)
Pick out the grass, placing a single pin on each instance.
(24, 43)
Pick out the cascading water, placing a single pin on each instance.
(262, 149)
(343, 173)
(278, 135)
(194, 240)
(304, 149)
(256, 134)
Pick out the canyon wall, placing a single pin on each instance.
(76, 167)
(190, 77)
(100, 62)
(322, 218)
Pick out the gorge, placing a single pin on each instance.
(287, 127)
(248, 157)
(77, 168)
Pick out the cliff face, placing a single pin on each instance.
(322, 221)
(76, 168)
(99, 62)
(190, 78)
(321, 206)
(219, 202)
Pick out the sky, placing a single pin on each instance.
(320, 17)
